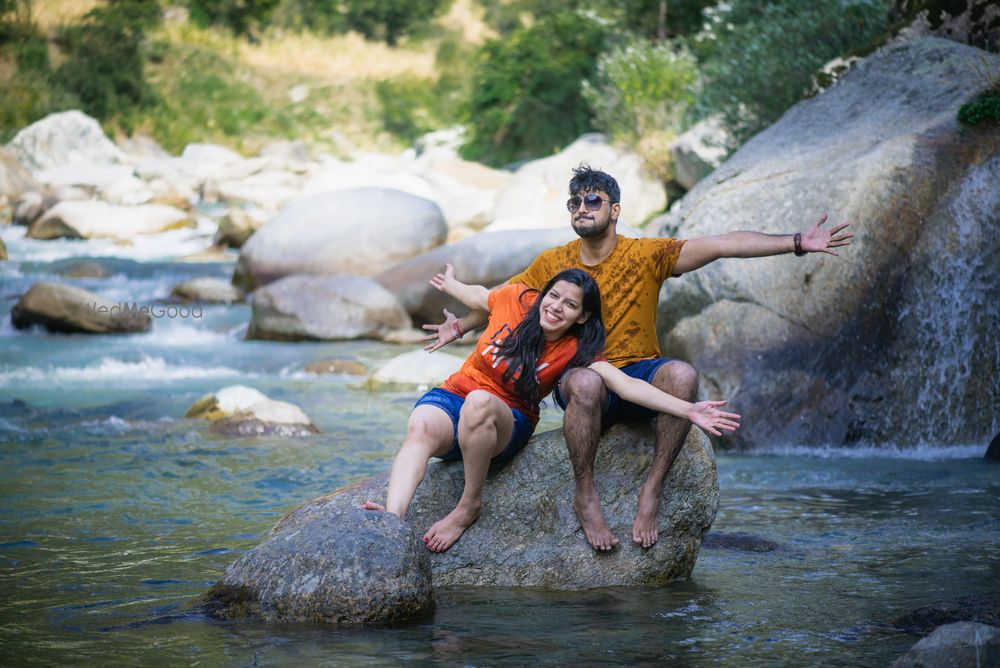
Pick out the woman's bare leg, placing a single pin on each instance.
(429, 433)
(485, 426)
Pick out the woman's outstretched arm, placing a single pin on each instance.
(704, 414)
(473, 296)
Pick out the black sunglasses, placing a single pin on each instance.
(592, 200)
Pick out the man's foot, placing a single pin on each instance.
(588, 509)
(646, 527)
(371, 505)
(445, 532)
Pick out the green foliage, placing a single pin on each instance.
(408, 106)
(984, 107)
(642, 87)
(527, 97)
(105, 58)
(758, 58)
(240, 16)
(386, 20)
(640, 95)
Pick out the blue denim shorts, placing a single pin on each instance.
(451, 404)
(617, 409)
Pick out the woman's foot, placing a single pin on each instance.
(371, 505)
(445, 532)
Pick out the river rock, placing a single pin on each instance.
(892, 342)
(528, 534)
(535, 198)
(337, 365)
(346, 568)
(483, 259)
(239, 410)
(417, 368)
(267, 190)
(207, 290)
(360, 232)
(737, 540)
(983, 608)
(93, 220)
(466, 191)
(959, 645)
(65, 137)
(90, 175)
(993, 452)
(326, 308)
(236, 226)
(64, 308)
(698, 151)
(974, 22)
(30, 206)
(15, 180)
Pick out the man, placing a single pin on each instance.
(630, 273)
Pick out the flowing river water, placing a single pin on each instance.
(116, 512)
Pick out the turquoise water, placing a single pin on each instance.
(116, 512)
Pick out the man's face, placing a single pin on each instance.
(589, 223)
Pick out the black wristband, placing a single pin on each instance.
(797, 238)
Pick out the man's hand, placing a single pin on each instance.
(818, 240)
(706, 414)
(444, 333)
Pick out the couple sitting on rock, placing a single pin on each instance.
(546, 329)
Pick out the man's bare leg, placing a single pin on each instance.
(681, 380)
(485, 426)
(584, 394)
(429, 433)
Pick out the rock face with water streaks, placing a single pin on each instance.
(894, 341)
(348, 567)
(528, 534)
(64, 308)
(959, 645)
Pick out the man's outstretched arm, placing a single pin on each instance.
(699, 252)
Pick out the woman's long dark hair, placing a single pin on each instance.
(525, 344)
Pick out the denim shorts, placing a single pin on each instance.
(451, 404)
(617, 409)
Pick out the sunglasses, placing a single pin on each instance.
(593, 201)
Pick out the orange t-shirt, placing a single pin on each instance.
(629, 279)
(484, 369)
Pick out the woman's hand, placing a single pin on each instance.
(446, 282)
(707, 416)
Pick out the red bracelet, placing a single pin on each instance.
(457, 330)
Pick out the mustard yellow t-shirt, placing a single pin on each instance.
(629, 279)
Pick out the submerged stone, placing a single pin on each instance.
(959, 645)
(746, 542)
(348, 567)
(983, 608)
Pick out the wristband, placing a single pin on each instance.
(797, 238)
(457, 330)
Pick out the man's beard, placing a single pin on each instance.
(588, 228)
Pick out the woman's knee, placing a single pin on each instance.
(583, 387)
(421, 436)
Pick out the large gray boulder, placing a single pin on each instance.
(360, 231)
(529, 535)
(958, 645)
(346, 568)
(535, 198)
(15, 180)
(65, 137)
(324, 307)
(483, 259)
(893, 341)
(64, 308)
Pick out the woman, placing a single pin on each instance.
(488, 410)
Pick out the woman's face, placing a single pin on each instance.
(561, 308)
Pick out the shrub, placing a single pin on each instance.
(240, 16)
(758, 59)
(640, 95)
(984, 107)
(526, 98)
(105, 59)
